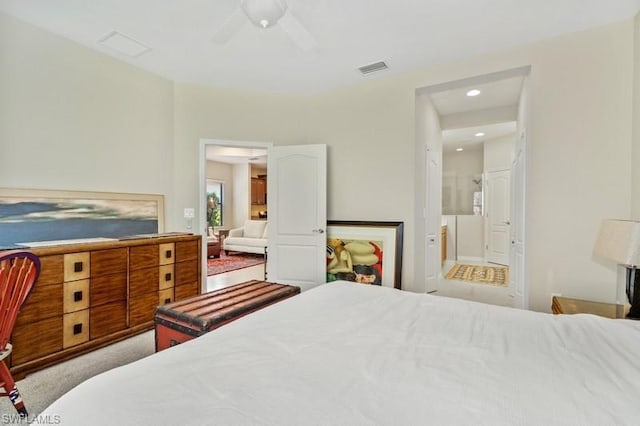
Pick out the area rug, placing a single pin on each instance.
(232, 262)
(494, 275)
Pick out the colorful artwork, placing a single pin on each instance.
(36, 216)
(354, 260)
(365, 252)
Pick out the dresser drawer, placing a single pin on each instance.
(75, 328)
(37, 340)
(165, 296)
(51, 270)
(77, 266)
(186, 290)
(187, 250)
(107, 319)
(143, 281)
(187, 272)
(108, 288)
(142, 308)
(43, 302)
(143, 257)
(112, 261)
(166, 253)
(165, 278)
(76, 296)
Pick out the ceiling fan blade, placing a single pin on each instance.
(230, 27)
(297, 32)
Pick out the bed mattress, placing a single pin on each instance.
(353, 354)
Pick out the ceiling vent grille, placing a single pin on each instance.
(376, 66)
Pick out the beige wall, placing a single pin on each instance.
(81, 120)
(579, 136)
(75, 119)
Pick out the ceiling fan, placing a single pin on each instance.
(265, 14)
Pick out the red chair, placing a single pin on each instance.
(18, 273)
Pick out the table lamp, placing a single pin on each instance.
(619, 240)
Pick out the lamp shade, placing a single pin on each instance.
(264, 13)
(619, 240)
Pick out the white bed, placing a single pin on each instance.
(352, 354)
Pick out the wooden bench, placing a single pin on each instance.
(178, 322)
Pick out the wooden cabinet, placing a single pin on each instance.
(258, 191)
(568, 305)
(91, 295)
(443, 244)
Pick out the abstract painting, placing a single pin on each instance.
(34, 216)
(365, 252)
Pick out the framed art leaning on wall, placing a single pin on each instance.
(365, 252)
(37, 216)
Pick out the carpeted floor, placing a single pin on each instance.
(494, 275)
(40, 389)
(232, 262)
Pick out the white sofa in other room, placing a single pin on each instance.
(251, 238)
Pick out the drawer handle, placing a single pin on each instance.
(77, 267)
(77, 328)
(167, 300)
(77, 296)
(168, 254)
(167, 276)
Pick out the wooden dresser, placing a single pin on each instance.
(90, 295)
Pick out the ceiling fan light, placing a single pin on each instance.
(264, 13)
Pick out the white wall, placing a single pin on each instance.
(470, 238)
(61, 102)
(498, 153)
(459, 170)
(223, 172)
(75, 119)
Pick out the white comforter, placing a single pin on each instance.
(351, 354)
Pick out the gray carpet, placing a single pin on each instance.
(41, 388)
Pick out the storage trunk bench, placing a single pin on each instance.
(189, 318)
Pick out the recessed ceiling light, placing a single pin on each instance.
(473, 92)
(459, 149)
(479, 134)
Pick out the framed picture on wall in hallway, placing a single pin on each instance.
(36, 217)
(365, 252)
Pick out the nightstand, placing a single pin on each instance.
(567, 305)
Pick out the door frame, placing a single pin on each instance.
(524, 71)
(202, 163)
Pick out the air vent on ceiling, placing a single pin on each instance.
(376, 66)
(124, 44)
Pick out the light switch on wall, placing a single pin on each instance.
(189, 214)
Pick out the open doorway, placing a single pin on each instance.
(232, 208)
(475, 134)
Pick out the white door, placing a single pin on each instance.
(517, 258)
(498, 216)
(297, 199)
(433, 209)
